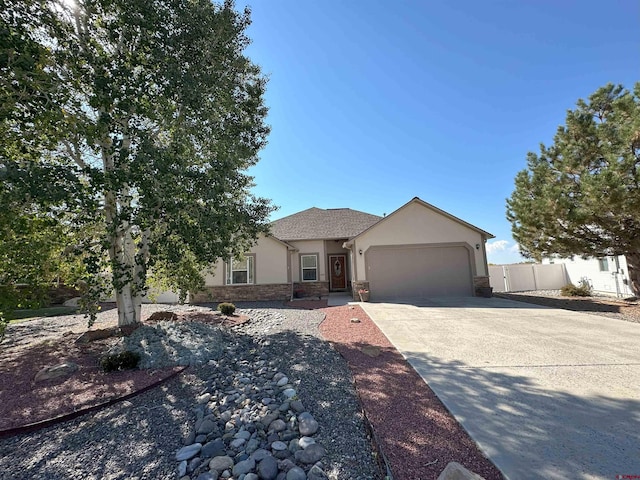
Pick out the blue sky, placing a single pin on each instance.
(375, 102)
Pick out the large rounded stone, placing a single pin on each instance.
(188, 452)
(213, 449)
(297, 406)
(316, 473)
(237, 443)
(311, 454)
(55, 371)
(307, 424)
(182, 468)
(243, 434)
(204, 398)
(268, 468)
(278, 445)
(220, 464)
(304, 442)
(259, 454)
(277, 425)
(244, 467)
(207, 476)
(207, 426)
(266, 421)
(296, 473)
(289, 393)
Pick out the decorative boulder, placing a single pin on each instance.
(55, 371)
(455, 471)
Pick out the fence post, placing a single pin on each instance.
(504, 276)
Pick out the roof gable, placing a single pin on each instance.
(317, 223)
(421, 202)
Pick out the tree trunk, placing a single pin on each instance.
(129, 307)
(633, 262)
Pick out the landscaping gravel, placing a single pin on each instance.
(224, 401)
(601, 305)
(168, 344)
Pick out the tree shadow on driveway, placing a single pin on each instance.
(523, 428)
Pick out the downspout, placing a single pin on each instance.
(290, 251)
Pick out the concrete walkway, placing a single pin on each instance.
(546, 393)
(338, 299)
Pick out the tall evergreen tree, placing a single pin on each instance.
(581, 195)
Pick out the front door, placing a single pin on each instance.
(338, 268)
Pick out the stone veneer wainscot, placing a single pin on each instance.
(243, 293)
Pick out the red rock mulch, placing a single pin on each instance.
(24, 401)
(415, 431)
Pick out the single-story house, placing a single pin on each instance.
(416, 251)
(608, 275)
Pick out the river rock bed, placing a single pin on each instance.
(251, 425)
(238, 378)
(251, 421)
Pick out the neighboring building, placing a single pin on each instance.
(416, 251)
(608, 275)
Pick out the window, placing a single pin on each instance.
(309, 265)
(240, 272)
(603, 263)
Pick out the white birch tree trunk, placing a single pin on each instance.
(127, 273)
(129, 298)
(129, 306)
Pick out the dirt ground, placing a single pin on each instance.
(25, 401)
(605, 306)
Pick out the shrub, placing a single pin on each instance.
(227, 308)
(571, 290)
(126, 360)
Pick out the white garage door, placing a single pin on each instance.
(421, 271)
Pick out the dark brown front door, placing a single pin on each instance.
(338, 269)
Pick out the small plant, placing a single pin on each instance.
(126, 360)
(582, 290)
(3, 325)
(227, 308)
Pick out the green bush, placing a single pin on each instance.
(571, 290)
(227, 308)
(126, 360)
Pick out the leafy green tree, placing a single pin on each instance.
(581, 195)
(31, 243)
(152, 116)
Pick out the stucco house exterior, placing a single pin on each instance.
(608, 275)
(416, 251)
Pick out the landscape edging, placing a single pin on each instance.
(31, 427)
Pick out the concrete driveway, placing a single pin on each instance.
(546, 393)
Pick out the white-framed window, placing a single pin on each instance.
(603, 263)
(241, 272)
(309, 268)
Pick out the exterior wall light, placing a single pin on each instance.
(360, 251)
(477, 246)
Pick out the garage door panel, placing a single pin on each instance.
(418, 272)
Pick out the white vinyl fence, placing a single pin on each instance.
(527, 276)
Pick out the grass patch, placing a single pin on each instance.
(22, 315)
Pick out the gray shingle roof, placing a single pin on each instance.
(317, 223)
